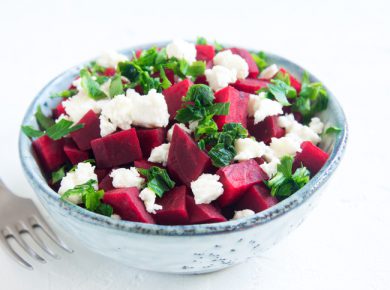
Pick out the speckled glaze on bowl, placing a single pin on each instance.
(188, 249)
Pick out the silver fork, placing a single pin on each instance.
(20, 216)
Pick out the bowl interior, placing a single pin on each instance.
(333, 144)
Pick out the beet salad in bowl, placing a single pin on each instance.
(181, 135)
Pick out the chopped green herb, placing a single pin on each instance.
(64, 94)
(161, 57)
(57, 175)
(90, 86)
(62, 128)
(90, 197)
(129, 70)
(333, 130)
(201, 40)
(197, 68)
(147, 57)
(158, 180)
(285, 183)
(206, 126)
(165, 82)
(95, 68)
(200, 94)
(218, 47)
(43, 121)
(221, 154)
(116, 86)
(30, 132)
(281, 91)
(260, 59)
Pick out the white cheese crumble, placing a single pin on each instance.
(111, 59)
(270, 168)
(149, 198)
(192, 125)
(242, 213)
(269, 72)
(233, 62)
(123, 177)
(84, 172)
(116, 217)
(220, 77)
(206, 188)
(287, 145)
(304, 133)
(149, 111)
(182, 50)
(248, 148)
(316, 125)
(182, 126)
(159, 154)
(116, 113)
(261, 107)
(78, 105)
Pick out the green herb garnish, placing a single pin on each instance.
(116, 86)
(260, 59)
(64, 94)
(57, 175)
(201, 40)
(62, 128)
(43, 121)
(333, 130)
(158, 180)
(90, 86)
(280, 91)
(30, 132)
(285, 183)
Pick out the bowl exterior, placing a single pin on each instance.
(181, 249)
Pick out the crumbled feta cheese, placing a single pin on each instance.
(182, 50)
(233, 62)
(111, 59)
(270, 168)
(261, 107)
(159, 154)
(248, 148)
(192, 125)
(149, 198)
(182, 126)
(78, 105)
(105, 87)
(242, 213)
(220, 77)
(305, 133)
(116, 217)
(287, 145)
(316, 125)
(116, 113)
(150, 110)
(84, 172)
(62, 116)
(269, 72)
(123, 177)
(206, 188)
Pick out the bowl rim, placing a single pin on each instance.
(40, 185)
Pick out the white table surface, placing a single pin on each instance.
(344, 243)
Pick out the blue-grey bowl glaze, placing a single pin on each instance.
(181, 249)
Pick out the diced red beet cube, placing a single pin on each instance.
(106, 183)
(116, 149)
(127, 204)
(144, 164)
(201, 80)
(257, 198)
(89, 132)
(202, 213)
(186, 162)
(150, 138)
(238, 110)
(50, 153)
(250, 85)
(293, 81)
(311, 156)
(110, 71)
(101, 173)
(238, 178)
(174, 210)
(253, 69)
(205, 52)
(266, 129)
(169, 74)
(138, 53)
(74, 154)
(174, 95)
(58, 111)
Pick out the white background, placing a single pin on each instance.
(344, 243)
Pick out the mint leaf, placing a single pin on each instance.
(165, 83)
(62, 128)
(161, 57)
(218, 47)
(197, 68)
(201, 40)
(43, 121)
(219, 109)
(129, 70)
(333, 130)
(64, 94)
(96, 68)
(206, 126)
(260, 59)
(90, 86)
(158, 180)
(116, 86)
(221, 155)
(200, 94)
(57, 175)
(30, 132)
(104, 209)
(281, 91)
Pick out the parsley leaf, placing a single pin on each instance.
(206, 126)
(158, 180)
(200, 94)
(165, 82)
(116, 86)
(90, 197)
(62, 128)
(221, 155)
(285, 183)
(129, 70)
(30, 132)
(333, 130)
(260, 59)
(281, 91)
(90, 86)
(197, 68)
(201, 40)
(43, 121)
